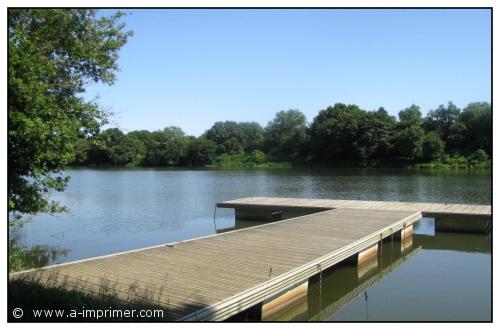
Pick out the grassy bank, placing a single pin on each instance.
(77, 306)
(255, 159)
(18, 260)
(457, 162)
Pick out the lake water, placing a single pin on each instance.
(441, 276)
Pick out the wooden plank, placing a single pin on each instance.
(199, 268)
(203, 266)
(193, 276)
(138, 286)
(271, 251)
(245, 269)
(167, 281)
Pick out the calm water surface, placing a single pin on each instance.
(441, 276)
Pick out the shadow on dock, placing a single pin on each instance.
(82, 302)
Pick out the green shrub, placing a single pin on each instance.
(479, 156)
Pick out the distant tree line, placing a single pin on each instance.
(338, 135)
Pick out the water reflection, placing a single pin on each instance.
(471, 243)
(436, 277)
(21, 257)
(424, 277)
(343, 282)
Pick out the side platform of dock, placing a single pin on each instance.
(449, 217)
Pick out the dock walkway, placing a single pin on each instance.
(215, 277)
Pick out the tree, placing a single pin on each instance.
(432, 146)
(228, 136)
(444, 121)
(201, 151)
(411, 116)
(286, 135)
(253, 136)
(120, 149)
(375, 139)
(82, 149)
(457, 138)
(169, 147)
(52, 54)
(410, 136)
(138, 145)
(409, 142)
(476, 117)
(479, 156)
(144, 141)
(335, 132)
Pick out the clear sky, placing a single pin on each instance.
(191, 68)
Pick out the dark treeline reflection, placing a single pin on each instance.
(364, 288)
(337, 135)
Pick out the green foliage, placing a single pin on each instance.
(457, 139)
(82, 150)
(476, 118)
(52, 54)
(234, 138)
(335, 132)
(444, 121)
(253, 135)
(286, 135)
(17, 261)
(169, 146)
(201, 151)
(479, 156)
(228, 137)
(411, 116)
(37, 256)
(115, 146)
(454, 161)
(459, 162)
(347, 133)
(462, 131)
(432, 146)
(255, 159)
(410, 135)
(375, 138)
(341, 135)
(409, 142)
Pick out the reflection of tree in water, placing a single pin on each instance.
(21, 258)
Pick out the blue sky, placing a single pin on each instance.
(191, 68)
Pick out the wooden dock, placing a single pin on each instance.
(427, 209)
(218, 276)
